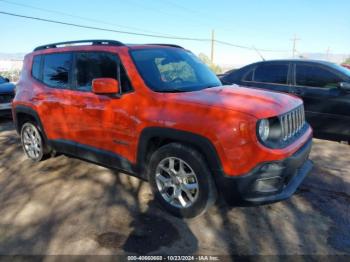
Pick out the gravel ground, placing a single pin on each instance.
(67, 206)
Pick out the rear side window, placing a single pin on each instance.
(57, 67)
(91, 65)
(36, 67)
(316, 76)
(249, 76)
(276, 74)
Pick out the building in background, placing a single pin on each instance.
(10, 65)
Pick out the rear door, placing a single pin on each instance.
(273, 76)
(327, 106)
(54, 78)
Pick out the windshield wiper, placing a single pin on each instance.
(210, 86)
(172, 90)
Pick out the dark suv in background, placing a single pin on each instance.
(324, 87)
(7, 93)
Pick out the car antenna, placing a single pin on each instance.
(259, 53)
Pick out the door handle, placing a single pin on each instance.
(296, 91)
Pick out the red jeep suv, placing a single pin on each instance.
(155, 111)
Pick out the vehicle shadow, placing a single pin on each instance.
(67, 206)
(62, 200)
(151, 229)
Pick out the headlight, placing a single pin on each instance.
(263, 129)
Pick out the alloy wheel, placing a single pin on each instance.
(32, 142)
(177, 182)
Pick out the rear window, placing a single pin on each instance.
(276, 74)
(36, 66)
(57, 67)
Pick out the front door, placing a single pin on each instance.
(327, 107)
(103, 124)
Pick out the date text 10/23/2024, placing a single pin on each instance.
(173, 258)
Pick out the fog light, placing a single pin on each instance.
(271, 169)
(268, 184)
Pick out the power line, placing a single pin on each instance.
(103, 29)
(183, 7)
(201, 13)
(75, 16)
(157, 10)
(134, 33)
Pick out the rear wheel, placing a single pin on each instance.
(181, 180)
(32, 142)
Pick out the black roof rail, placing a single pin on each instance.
(171, 45)
(93, 42)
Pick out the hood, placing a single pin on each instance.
(7, 88)
(255, 102)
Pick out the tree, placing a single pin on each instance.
(206, 60)
(12, 75)
(347, 61)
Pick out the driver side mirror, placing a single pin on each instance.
(344, 86)
(105, 86)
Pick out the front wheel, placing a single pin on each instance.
(181, 181)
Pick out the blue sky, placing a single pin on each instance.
(263, 24)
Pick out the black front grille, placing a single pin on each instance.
(292, 123)
(6, 98)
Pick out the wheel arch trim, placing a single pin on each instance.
(30, 112)
(198, 141)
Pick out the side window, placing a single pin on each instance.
(316, 76)
(273, 73)
(124, 80)
(36, 67)
(56, 71)
(249, 76)
(91, 65)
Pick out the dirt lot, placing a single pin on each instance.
(67, 206)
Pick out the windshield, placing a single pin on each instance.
(2, 80)
(342, 69)
(173, 70)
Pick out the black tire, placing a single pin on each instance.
(206, 194)
(42, 151)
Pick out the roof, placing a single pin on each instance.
(99, 42)
(297, 60)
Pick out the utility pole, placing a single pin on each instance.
(327, 53)
(295, 39)
(261, 56)
(212, 46)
